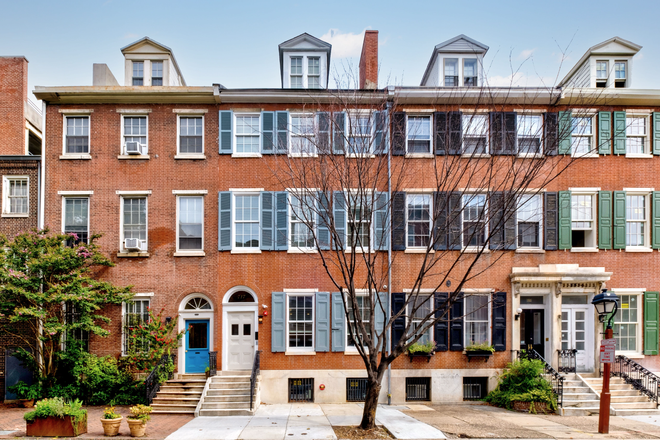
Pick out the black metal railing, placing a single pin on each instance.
(556, 379)
(567, 363)
(253, 377)
(151, 383)
(356, 389)
(213, 363)
(636, 375)
(418, 388)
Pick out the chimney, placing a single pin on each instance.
(369, 61)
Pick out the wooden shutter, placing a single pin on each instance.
(440, 133)
(619, 132)
(338, 320)
(619, 220)
(380, 312)
(338, 132)
(496, 133)
(224, 221)
(440, 229)
(324, 133)
(605, 220)
(441, 327)
(565, 130)
(656, 133)
(655, 220)
(281, 210)
(510, 133)
(322, 336)
(550, 133)
(381, 229)
(267, 132)
(651, 334)
(499, 321)
(225, 131)
(380, 131)
(496, 211)
(398, 221)
(398, 133)
(282, 146)
(278, 322)
(565, 232)
(455, 220)
(339, 213)
(399, 324)
(604, 133)
(551, 219)
(267, 221)
(322, 219)
(456, 324)
(510, 221)
(455, 133)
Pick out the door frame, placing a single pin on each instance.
(187, 335)
(228, 307)
(547, 328)
(591, 331)
(194, 315)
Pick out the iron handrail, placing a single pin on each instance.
(152, 385)
(567, 360)
(636, 375)
(253, 376)
(556, 380)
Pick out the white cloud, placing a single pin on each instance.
(526, 53)
(519, 79)
(344, 45)
(131, 36)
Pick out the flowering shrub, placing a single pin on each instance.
(149, 341)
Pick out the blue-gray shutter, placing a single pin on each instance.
(338, 132)
(324, 133)
(440, 133)
(456, 324)
(619, 119)
(322, 337)
(267, 223)
(339, 214)
(398, 133)
(224, 221)
(499, 321)
(278, 322)
(338, 323)
(380, 309)
(322, 219)
(551, 217)
(226, 124)
(440, 226)
(441, 327)
(282, 146)
(382, 236)
(399, 221)
(267, 132)
(399, 324)
(656, 133)
(604, 133)
(281, 210)
(550, 133)
(380, 132)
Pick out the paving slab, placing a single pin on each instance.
(403, 426)
(208, 428)
(309, 433)
(312, 421)
(419, 408)
(273, 421)
(260, 432)
(306, 409)
(283, 409)
(342, 420)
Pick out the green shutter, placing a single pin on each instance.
(655, 220)
(619, 132)
(278, 322)
(604, 133)
(322, 339)
(619, 220)
(565, 132)
(656, 133)
(605, 220)
(651, 334)
(565, 235)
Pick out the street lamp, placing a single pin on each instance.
(606, 303)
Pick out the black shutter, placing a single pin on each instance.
(455, 133)
(510, 221)
(551, 221)
(440, 231)
(456, 325)
(441, 328)
(399, 221)
(499, 321)
(510, 132)
(550, 133)
(496, 133)
(455, 221)
(398, 133)
(399, 324)
(496, 208)
(440, 132)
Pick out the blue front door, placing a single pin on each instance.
(197, 346)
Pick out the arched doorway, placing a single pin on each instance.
(195, 316)
(239, 328)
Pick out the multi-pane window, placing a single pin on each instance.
(620, 70)
(359, 224)
(626, 323)
(138, 73)
(77, 134)
(246, 221)
(135, 129)
(363, 305)
(191, 227)
(470, 72)
(419, 134)
(529, 221)
(75, 333)
(302, 134)
(582, 220)
(581, 135)
(136, 313)
(76, 219)
(529, 134)
(418, 309)
(601, 69)
(636, 131)
(474, 220)
(16, 195)
(301, 321)
(135, 217)
(477, 323)
(191, 139)
(156, 73)
(313, 72)
(419, 219)
(451, 72)
(247, 133)
(475, 134)
(302, 221)
(296, 73)
(636, 228)
(359, 137)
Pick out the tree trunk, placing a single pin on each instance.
(370, 404)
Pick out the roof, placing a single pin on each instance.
(291, 46)
(160, 46)
(459, 44)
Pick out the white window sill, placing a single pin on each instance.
(303, 155)
(132, 156)
(15, 215)
(639, 156)
(418, 251)
(530, 155)
(190, 156)
(420, 155)
(75, 156)
(246, 251)
(124, 254)
(584, 249)
(246, 155)
(360, 155)
(475, 250)
(475, 156)
(190, 254)
(302, 251)
(585, 156)
(299, 353)
(638, 249)
(359, 251)
(530, 251)
(351, 352)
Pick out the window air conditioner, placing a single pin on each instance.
(134, 147)
(135, 244)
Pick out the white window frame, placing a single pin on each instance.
(189, 252)
(646, 147)
(305, 68)
(625, 71)
(77, 195)
(372, 235)
(133, 77)
(593, 151)
(606, 78)
(144, 297)
(409, 315)
(162, 72)
(639, 333)
(301, 349)
(293, 136)
(484, 219)
(538, 135)
(234, 248)
(646, 246)
(6, 202)
(430, 196)
(468, 117)
(291, 194)
(123, 135)
(593, 194)
(76, 114)
(235, 135)
(121, 218)
(409, 133)
(179, 154)
(309, 75)
(347, 335)
(489, 326)
(459, 81)
(476, 73)
(355, 114)
(519, 220)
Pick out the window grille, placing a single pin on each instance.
(356, 389)
(475, 388)
(418, 388)
(301, 390)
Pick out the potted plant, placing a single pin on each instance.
(207, 371)
(27, 394)
(137, 421)
(111, 422)
(56, 418)
(484, 350)
(421, 350)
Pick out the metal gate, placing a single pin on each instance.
(356, 389)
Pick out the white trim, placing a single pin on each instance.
(189, 192)
(75, 193)
(639, 324)
(639, 191)
(188, 252)
(133, 193)
(246, 190)
(190, 111)
(489, 327)
(122, 249)
(139, 294)
(234, 134)
(189, 114)
(228, 307)
(245, 250)
(629, 290)
(76, 111)
(75, 156)
(301, 350)
(246, 155)
(583, 190)
(593, 194)
(122, 149)
(430, 153)
(77, 114)
(195, 314)
(540, 223)
(300, 290)
(419, 249)
(6, 205)
(191, 156)
(133, 111)
(138, 297)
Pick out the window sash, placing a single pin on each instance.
(191, 227)
(474, 221)
(302, 221)
(135, 129)
(425, 303)
(135, 218)
(529, 215)
(477, 319)
(364, 306)
(246, 221)
(300, 321)
(626, 323)
(419, 134)
(302, 134)
(418, 211)
(76, 218)
(360, 133)
(138, 73)
(247, 133)
(470, 72)
(582, 212)
(636, 130)
(529, 130)
(601, 69)
(136, 312)
(358, 225)
(620, 70)
(77, 134)
(191, 135)
(636, 220)
(156, 73)
(17, 196)
(475, 134)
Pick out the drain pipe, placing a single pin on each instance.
(388, 107)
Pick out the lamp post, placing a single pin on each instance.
(606, 303)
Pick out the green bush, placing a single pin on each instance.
(417, 348)
(57, 407)
(522, 381)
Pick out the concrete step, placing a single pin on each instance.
(577, 390)
(179, 408)
(614, 386)
(182, 390)
(634, 405)
(158, 400)
(186, 376)
(234, 373)
(228, 392)
(228, 398)
(628, 399)
(182, 394)
(224, 412)
(620, 393)
(581, 403)
(579, 396)
(229, 385)
(215, 379)
(637, 412)
(582, 411)
(226, 405)
(186, 382)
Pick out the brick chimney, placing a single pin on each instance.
(13, 99)
(369, 61)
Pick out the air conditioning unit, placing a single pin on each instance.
(135, 244)
(134, 147)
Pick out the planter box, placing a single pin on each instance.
(426, 356)
(55, 427)
(478, 353)
(539, 407)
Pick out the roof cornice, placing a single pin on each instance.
(125, 94)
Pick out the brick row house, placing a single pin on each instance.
(180, 181)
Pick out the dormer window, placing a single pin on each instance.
(156, 73)
(305, 72)
(138, 73)
(304, 62)
(451, 72)
(601, 73)
(620, 74)
(296, 73)
(313, 72)
(470, 72)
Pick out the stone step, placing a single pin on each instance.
(179, 408)
(174, 401)
(230, 379)
(247, 373)
(581, 403)
(581, 411)
(183, 394)
(579, 396)
(186, 382)
(577, 390)
(637, 412)
(226, 405)
(187, 376)
(613, 386)
(629, 392)
(228, 392)
(181, 390)
(229, 385)
(224, 412)
(228, 398)
(634, 405)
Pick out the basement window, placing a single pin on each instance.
(356, 389)
(475, 388)
(418, 389)
(301, 390)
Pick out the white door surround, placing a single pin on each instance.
(237, 307)
(195, 299)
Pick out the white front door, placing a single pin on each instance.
(240, 340)
(575, 334)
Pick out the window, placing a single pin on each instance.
(136, 312)
(418, 388)
(530, 129)
(301, 390)
(76, 219)
(191, 227)
(636, 131)
(364, 307)
(302, 221)
(77, 135)
(620, 74)
(583, 228)
(359, 223)
(581, 135)
(529, 215)
(424, 305)
(15, 190)
(474, 220)
(470, 72)
(246, 221)
(75, 334)
(602, 72)
(626, 323)
(477, 323)
(156, 73)
(356, 389)
(247, 133)
(296, 73)
(191, 134)
(301, 322)
(419, 220)
(360, 131)
(475, 134)
(636, 221)
(134, 220)
(419, 134)
(138, 73)
(135, 130)
(451, 72)
(313, 72)
(302, 135)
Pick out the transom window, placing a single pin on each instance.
(636, 131)
(636, 220)
(302, 134)
(419, 134)
(313, 72)
(419, 219)
(470, 72)
(191, 227)
(77, 134)
(363, 304)
(76, 219)
(451, 72)
(529, 134)
(138, 73)
(302, 217)
(191, 134)
(474, 220)
(581, 135)
(418, 309)
(529, 221)
(477, 322)
(626, 323)
(582, 220)
(301, 321)
(475, 134)
(16, 195)
(246, 221)
(247, 133)
(296, 73)
(156, 73)
(198, 304)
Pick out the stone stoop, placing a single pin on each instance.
(180, 395)
(227, 394)
(579, 398)
(626, 401)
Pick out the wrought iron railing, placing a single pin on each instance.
(567, 363)
(152, 384)
(556, 379)
(213, 363)
(253, 376)
(636, 375)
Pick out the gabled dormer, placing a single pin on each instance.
(305, 63)
(608, 64)
(149, 63)
(456, 63)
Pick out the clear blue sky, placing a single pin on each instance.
(235, 43)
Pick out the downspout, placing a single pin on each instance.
(389, 259)
(42, 178)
